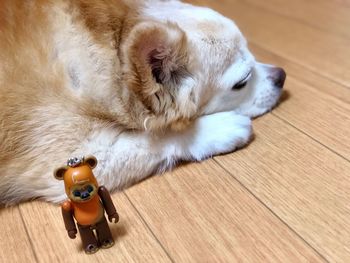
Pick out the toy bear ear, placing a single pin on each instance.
(91, 161)
(59, 172)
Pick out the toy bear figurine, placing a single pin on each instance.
(87, 204)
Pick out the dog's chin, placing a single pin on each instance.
(261, 105)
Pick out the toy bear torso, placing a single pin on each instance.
(88, 213)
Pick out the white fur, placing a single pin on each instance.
(125, 158)
(219, 59)
(222, 54)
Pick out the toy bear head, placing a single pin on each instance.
(79, 180)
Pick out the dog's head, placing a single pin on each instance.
(185, 61)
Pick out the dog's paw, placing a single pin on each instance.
(219, 133)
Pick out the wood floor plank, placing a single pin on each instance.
(297, 71)
(326, 54)
(134, 242)
(305, 184)
(315, 105)
(330, 16)
(14, 242)
(325, 119)
(201, 214)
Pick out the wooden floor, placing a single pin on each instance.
(284, 198)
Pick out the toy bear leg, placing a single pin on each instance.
(104, 234)
(88, 239)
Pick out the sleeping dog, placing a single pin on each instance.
(140, 85)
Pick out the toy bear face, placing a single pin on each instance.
(79, 180)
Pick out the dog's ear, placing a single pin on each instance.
(59, 172)
(159, 51)
(157, 69)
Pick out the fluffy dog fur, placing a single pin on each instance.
(140, 85)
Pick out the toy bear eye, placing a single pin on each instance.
(90, 188)
(76, 193)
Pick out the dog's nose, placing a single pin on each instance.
(278, 76)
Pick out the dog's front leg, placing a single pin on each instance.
(208, 136)
(129, 157)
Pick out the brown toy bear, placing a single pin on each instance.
(87, 204)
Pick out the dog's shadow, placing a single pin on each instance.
(284, 97)
(118, 230)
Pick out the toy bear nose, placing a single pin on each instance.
(85, 195)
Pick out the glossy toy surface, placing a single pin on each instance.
(86, 205)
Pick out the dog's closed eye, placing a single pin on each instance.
(242, 83)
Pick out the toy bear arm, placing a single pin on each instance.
(68, 216)
(107, 201)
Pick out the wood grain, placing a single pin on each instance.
(331, 128)
(302, 74)
(309, 95)
(201, 214)
(284, 198)
(14, 242)
(307, 186)
(134, 242)
(328, 16)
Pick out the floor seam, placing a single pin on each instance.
(299, 64)
(271, 211)
(149, 228)
(339, 100)
(29, 238)
(309, 136)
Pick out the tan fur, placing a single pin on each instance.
(33, 96)
(37, 110)
(69, 68)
